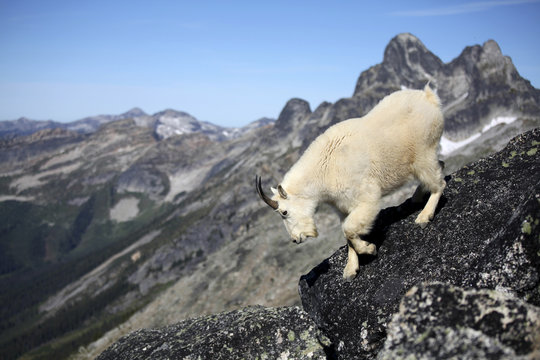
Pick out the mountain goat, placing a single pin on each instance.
(356, 162)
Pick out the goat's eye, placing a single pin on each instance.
(285, 213)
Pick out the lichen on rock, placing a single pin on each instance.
(437, 320)
(251, 333)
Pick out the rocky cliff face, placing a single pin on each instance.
(425, 295)
(477, 87)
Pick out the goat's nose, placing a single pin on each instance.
(299, 239)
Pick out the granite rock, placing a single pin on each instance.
(251, 333)
(440, 321)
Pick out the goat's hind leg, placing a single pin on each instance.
(431, 178)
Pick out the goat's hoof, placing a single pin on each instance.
(422, 221)
(422, 224)
(349, 274)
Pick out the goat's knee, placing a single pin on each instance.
(357, 224)
(360, 221)
(363, 247)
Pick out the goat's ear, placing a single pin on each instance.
(282, 192)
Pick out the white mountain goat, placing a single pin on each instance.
(357, 161)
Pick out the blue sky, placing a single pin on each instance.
(228, 62)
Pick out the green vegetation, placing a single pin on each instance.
(67, 320)
(44, 248)
(5, 181)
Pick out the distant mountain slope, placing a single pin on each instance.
(165, 124)
(158, 212)
(24, 126)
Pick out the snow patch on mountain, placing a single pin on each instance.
(185, 181)
(125, 210)
(448, 146)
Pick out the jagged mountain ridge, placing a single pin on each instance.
(477, 86)
(165, 123)
(24, 126)
(137, 213)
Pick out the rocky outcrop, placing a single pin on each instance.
(292, 114)
(250, 333)
(440, 321)
(485, 235)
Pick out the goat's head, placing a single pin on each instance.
(296, 211)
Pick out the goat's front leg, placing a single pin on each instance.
(352, 266)
(359, 223)
(363, 247)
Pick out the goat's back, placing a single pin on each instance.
(404, 118)
(387, 141)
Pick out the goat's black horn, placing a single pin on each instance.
(272, 203)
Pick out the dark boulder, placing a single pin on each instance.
(440, 321)
(250, 333)
(485, 235)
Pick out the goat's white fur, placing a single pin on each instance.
(357, 161)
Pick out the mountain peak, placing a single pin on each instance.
(406, 50)
(25, 121)
(295, 110)
(135, 112)
(491, 46)
(175, 113)
(403, 42)
(405, 58)
(489, 51)
(407, 38)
